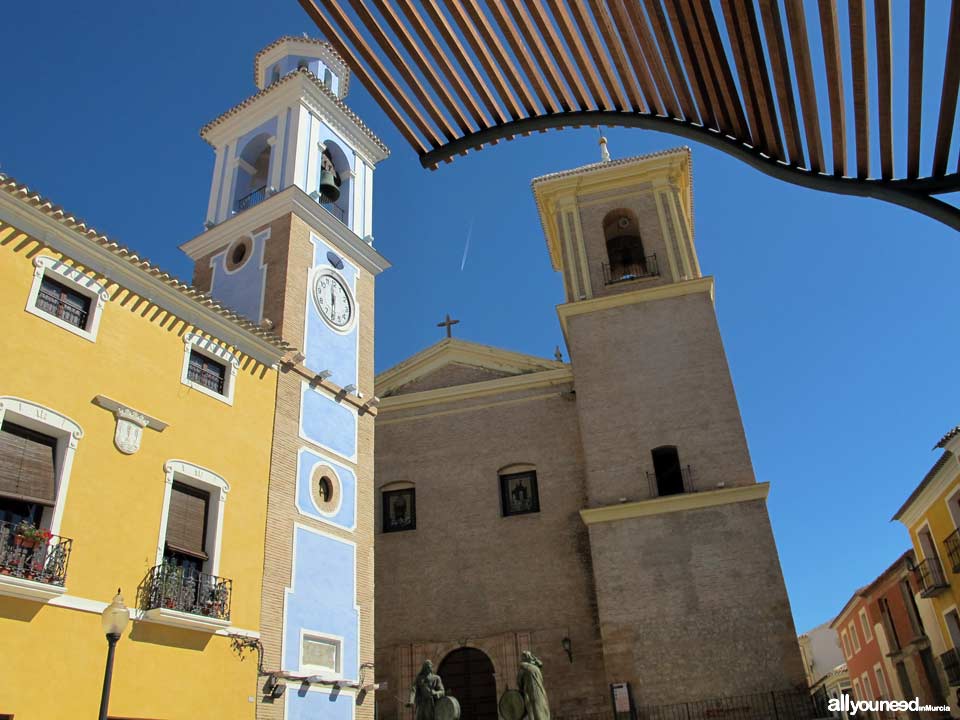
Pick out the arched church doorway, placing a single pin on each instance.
(467, 674)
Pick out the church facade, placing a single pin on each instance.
(601, 513)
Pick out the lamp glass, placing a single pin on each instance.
(115, 616)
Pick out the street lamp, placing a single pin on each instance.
(114, 619)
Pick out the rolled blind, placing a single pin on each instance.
(187, 520)
(27, 465)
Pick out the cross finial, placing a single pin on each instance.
(448, 324)
(604, 152)
(557, 354)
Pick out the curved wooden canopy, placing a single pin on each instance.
(455, 75)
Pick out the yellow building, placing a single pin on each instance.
(135, 424)
(932, 515)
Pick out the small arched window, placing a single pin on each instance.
(275, 75)
(303, 65)
(668, 475)
(327, 79)
(626, 259)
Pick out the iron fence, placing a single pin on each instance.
(621, 272)
(30, 553)
(254, 198)
(931, 577)
(684, 486)
(172, 587)
(52, 303)
(778, 705)
(210, 379)
(338, 212)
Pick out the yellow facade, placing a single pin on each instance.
(932, 516)
(54, 650)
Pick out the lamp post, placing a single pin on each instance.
(114, 619)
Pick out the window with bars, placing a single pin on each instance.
(64, 303)
(206, 372)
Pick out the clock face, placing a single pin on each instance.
(333, 300)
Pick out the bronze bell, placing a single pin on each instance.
(329, 190)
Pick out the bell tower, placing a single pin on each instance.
(685, 565)
(288, 243)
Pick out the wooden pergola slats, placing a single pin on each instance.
(739, 75)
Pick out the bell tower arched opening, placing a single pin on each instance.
(253, 173)
(626, 259)
(333, 183)
(467, 675)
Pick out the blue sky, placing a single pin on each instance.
(839, 315)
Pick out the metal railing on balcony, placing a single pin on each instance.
(210, 379)
(172, 587)
(931, 578)
(30, 553)
(55, 305)
(951, 666)
(338, 212)
(254, 198)
(671, 483)
(621, 272)
(952, 541)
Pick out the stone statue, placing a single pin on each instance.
(530, 683)
(427, 689)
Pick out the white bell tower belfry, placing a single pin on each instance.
(295, 131)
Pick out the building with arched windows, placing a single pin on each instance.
(602, 513)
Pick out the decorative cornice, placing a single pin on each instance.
(454, 350)
(49, 224)
(944, 473)
(330, 55)
(461, 393)
(128, 413)
(660, 292)
(675, 503)
(303, 85)
(290, 200)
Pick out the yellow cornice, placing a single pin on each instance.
(675, 503)
(459, 393)
(453, 350)
(659, 292)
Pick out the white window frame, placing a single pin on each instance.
(882, 689)
(853, 636)
(847, 648)
(208, 481)
(865, 626)
(46, 266)
(324, 672)
(67, 433)
(856, 690)
(216, 352)
(866, 685)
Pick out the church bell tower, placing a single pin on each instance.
(288, 243)
(687, 575)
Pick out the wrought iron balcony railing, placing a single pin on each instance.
(931, 578)
(338, 212)
(30, 553)
(952, 541)
(675, 483)
(621, 272)
(54, 304)
(254, 198)
(208, 378)
(951, 666)
(171, 587)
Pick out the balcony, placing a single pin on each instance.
(952, 542)
(931, 578)
(254, 198)
(57, 306)
(622, 272)
(183, 598)
(33, 562)
(338, 212)
(675, 483)
(951, 666)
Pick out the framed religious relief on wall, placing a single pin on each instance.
(518, 493)
(399, 510)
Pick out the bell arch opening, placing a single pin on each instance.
(467, 674)
(253, 173)
(333, 182)
(625, 255)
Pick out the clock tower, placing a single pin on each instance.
(288, 243)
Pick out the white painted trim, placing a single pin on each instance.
(50, 422)
(945, 478)
(865, 625)
(854, 636)
(933, 541)
(217, 352)
(202, 479)
(292, 589)
(954, 496)
(322, 516)
(65, 274)
(943, 616)
(187, 621)
(326, 673)
(29, 589)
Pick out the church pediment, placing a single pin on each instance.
(453, 363)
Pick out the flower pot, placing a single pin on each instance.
(27, 543)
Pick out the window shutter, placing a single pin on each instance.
(187, 520)
(27, 466)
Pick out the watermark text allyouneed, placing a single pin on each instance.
(850, 706)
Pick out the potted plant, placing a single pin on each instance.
(27, 535)
(171, 581)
